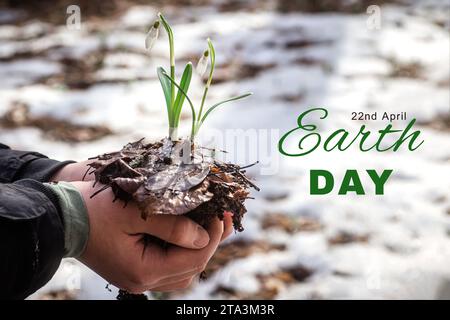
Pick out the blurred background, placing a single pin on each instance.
(74, 91)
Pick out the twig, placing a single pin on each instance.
(98, 191)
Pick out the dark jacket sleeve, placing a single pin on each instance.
(31, 223)
(16, 165)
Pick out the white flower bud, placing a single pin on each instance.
(202, 64)
(152, 35)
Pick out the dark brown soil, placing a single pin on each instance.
(169, 177)
(124, 295)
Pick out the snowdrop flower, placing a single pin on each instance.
(152, 35)
(202, 63)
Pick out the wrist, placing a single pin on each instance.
(71, 172)
(63, 174)
(75, 217)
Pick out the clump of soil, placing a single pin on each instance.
(173, 177)
(19, 115)
(124, 295)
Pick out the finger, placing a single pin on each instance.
(228, 225)
(177, 230)
(175, 286)
(187, 259)
(153, 265)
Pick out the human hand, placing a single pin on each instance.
(117, 252)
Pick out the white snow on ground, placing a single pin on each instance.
(408, 251)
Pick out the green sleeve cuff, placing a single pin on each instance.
(75, 216)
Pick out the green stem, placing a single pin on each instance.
(212, 57)
(172, 88)
(172, 68)
(194, 116)
(173, 133)
(205, 93)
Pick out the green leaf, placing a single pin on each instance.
(169, 33)
(184, 85)
(212, 57)
(194, 117)
(165, 84)
(172, 53)
(223, 102)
